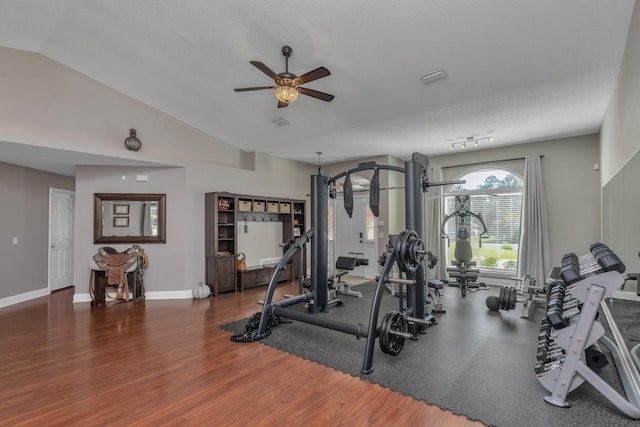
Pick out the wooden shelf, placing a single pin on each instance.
(221, 235)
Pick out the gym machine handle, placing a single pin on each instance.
(397, 281)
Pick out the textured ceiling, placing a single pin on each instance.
(518, 70)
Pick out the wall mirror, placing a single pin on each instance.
(129, 218)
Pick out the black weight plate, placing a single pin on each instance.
(502, 298)
(401, 251)
(514, 298)
(396, 342)
(386, 338)
(383, 333)
(411, 255)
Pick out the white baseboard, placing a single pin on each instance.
(81, 298)
(15, 299)
(186, 294)
(150, 295)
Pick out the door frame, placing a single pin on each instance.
(73, 219)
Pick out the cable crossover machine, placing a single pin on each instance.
(408, 253)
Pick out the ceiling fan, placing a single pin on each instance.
(288, 85)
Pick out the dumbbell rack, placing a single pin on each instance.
(567, 337)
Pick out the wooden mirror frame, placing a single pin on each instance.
(98, 225)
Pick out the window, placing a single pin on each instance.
(371, 224)
(495, 195)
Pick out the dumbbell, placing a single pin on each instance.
(545, 340)
(549, 355)
(557, 297)
(589, 263)
(570, 260)
(556, 318)
(555, 301)
(559, 316)
(554, 290)
(542, 367)
(607, 259)
(565, 301)
(571, 303)
(570, 274)
(547, 343)
(545, 332)
(599, 249)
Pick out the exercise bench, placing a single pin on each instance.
(345, 265)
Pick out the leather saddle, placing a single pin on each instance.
(116, 264)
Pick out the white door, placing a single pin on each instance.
(357, 236)
(61, 222)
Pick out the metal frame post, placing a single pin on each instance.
(319, 244)
(413, 215)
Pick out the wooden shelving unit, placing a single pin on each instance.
(222, 212)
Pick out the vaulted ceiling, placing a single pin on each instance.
(517, 70)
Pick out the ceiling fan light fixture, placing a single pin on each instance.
(286, 92)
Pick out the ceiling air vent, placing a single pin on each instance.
(434, 76)
(282, 122)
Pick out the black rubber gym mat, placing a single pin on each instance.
(473, 362)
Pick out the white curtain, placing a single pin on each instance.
(435, 215)
(534, 256)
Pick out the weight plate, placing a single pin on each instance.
(502, 298)
(400, 251)
(391, 343)
(383, 333)
(396, 342)
(512, 298)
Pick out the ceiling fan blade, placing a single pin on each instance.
(282, 104)
(246, 89)
(312, 75)
(268, 71)
(314, 93)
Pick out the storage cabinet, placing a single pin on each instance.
(221, 273)
(222, 212)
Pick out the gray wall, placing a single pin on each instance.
(63, 109)
(571, 184)
(179, 264)
(620, 156)
(25, 214)
(621, 128)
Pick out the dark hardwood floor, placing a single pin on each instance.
(167, 363)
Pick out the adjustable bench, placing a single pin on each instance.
(346, 264)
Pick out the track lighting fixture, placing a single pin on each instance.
(470, 140)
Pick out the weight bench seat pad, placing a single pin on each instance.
(349, 263)
(346, 263)
(437, 284)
